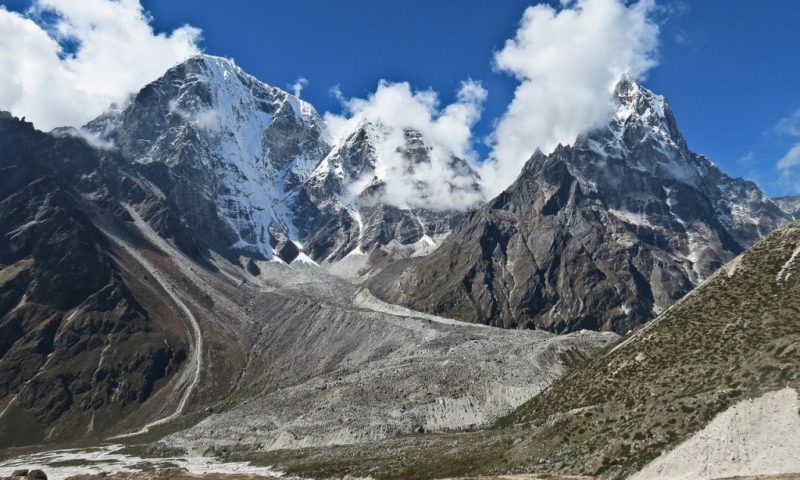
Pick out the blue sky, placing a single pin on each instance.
(729, 68)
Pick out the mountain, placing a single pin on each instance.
(117, 247)
(88, 340)
(350, 183)
(189, 265)
(228, 150)
(790, 204)
(109, 327)
(604, 234)
(710, 389)
(254, 172)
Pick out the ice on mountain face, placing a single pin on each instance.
(261, 144)
(241, 144)
(643, 131)
(254, 170)
(257, 167)
(351, 163)
(399, 167)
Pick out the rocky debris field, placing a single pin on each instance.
(333, 365)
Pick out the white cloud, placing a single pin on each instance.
(91, 138)
(206, 119)
(567, 62)
(790, 160)
(747, 158)
(394, 109)
(117, 52)
(298, 86)
(790, 125)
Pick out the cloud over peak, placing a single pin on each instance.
(567, 62)
(64, 62)
(446, 130)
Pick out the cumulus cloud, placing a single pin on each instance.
(395, 111)
(791, 159)
(298, 86)
(790, 127)
(567, 62)
(112, 52)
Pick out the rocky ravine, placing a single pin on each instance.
(601, 235)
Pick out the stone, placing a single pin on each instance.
(36, 475)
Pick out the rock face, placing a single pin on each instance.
(79, 347)
(604, 234)
(227, 150)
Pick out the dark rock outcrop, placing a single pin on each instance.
(78, 351)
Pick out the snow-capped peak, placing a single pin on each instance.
(635, 100)
(641, 109)
(643, 132)
(239, 143)
(233, 87)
